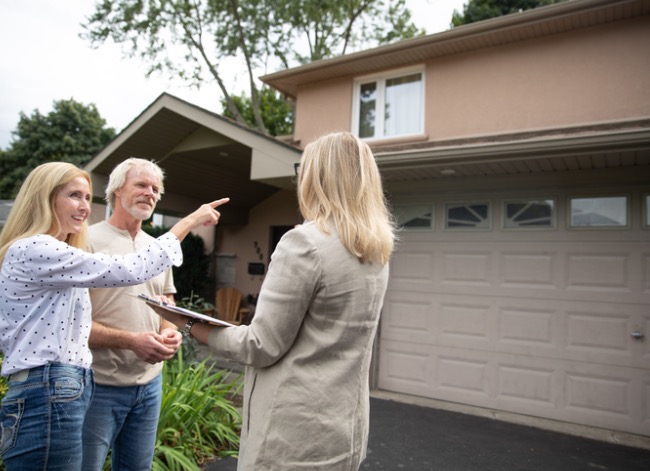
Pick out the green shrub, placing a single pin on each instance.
(198, 418)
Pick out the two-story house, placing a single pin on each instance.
(516, 155)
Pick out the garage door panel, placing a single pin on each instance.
(407, 317)
(465, 268)
(465, 325)
(412, 265)
(607, 396)
(460, 375)
(527, 269)
(406, 367)
(604, 334)
(525, 326)
(598, 272)
(527, 385)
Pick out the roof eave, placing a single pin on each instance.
(463, 38)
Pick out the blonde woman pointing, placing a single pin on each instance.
(45, 313)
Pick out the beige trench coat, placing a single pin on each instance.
(307, 351)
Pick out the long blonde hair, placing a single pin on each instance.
(33, 210)
(339, 183)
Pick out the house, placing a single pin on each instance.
(516, 155)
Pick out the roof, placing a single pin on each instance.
(205, 156)
(530, 24)
(608, 145)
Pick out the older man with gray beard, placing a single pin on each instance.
(128, 340)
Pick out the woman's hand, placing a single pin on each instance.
(206, 215)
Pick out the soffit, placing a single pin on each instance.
(600, 148)
(220, 167)
(540, 22)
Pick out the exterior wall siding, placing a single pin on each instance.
(579, 78)
(251, 241)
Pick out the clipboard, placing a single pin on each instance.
(182, 311)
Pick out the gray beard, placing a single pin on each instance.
(137, 213)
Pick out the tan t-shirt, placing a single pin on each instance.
(114, 308)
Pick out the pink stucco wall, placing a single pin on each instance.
(595, 75)
(281, 209)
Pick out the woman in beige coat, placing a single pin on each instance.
(308, 348)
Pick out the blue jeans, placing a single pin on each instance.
(42, 414)
(124, 419)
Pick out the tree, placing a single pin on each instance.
(254, 31)
(276, 112)
(478, 10)
(71, 132)
(192, 276)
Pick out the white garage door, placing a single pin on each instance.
(541, 318)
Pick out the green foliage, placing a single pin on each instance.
(71, 132)
(198, 419)
(191, 39)
(277, 113)
(478, 10)
(192, 275)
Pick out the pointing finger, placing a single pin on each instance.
(217, 203)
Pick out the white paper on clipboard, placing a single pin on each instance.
(183, 311)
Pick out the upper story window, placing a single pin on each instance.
(391, 105)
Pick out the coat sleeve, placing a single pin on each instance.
(288, 289)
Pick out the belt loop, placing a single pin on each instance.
(46, 373)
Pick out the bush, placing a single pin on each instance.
(198, 419)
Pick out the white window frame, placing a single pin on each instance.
(569, 215)
(381, 79)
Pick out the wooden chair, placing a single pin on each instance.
(228, 305)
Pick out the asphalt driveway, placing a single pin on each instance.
(411, 437)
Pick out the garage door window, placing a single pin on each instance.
(467, 216)
(529, 214)
(609, 211)
(414, 216)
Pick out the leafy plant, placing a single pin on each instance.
(198, 418)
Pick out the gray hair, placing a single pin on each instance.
(117, 178)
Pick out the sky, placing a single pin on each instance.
(43, 59)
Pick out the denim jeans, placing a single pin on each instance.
(124, 419)
(42, 414)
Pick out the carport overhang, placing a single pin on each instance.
(205, 157)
